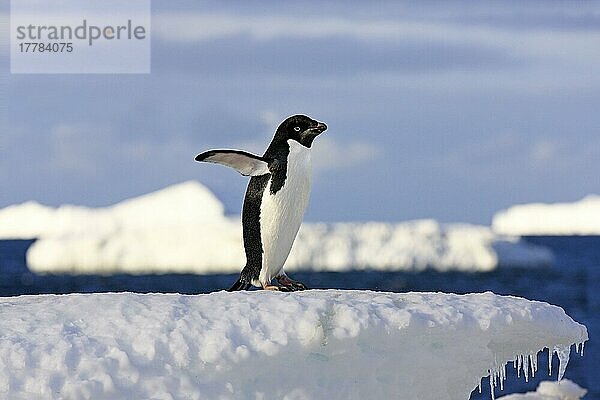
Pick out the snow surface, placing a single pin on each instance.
(578, 218)
(183, 228)
(563, 390)
(306, 345)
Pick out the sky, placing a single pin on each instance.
(445, 110)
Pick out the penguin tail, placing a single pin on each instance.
(240, 284)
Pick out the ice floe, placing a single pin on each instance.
(306, 345)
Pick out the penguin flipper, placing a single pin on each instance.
(245, 163)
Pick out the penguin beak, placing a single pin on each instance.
(320, 128)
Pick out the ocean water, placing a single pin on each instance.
(572, 283)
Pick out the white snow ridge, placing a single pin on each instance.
(183, 229)
(247, 345)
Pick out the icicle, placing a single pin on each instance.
(480, 386)
(563, 359)
(550, 354)
(492, 386)
(501, 377)
(523, 364)
(526, 368)
(581, 350)
(533, 360)
(519, 365)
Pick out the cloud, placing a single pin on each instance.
(220, 122)
(446, 51)
(544, 151)
(473, 106)
(543, 40)
(85, 149)
(331, 154)
(76, 148)
(271, 119)
(323, 56)
(516, 156)
(198, 26)
(195, 27)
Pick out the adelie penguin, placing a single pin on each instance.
(275, 200)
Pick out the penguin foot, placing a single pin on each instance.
(290, 284)
(277, 288)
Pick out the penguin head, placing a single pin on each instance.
(301, 129)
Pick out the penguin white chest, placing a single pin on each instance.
(281, 213)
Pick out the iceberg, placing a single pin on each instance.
(314, 344)
(188, 202)
(578, 218)
(183, 228)
(562, 390)
(410, 246)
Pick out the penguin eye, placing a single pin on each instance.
(297, 129)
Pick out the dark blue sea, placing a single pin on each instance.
(572, 283)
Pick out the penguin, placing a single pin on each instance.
(275, 200)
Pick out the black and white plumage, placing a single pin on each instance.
(275, 200)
